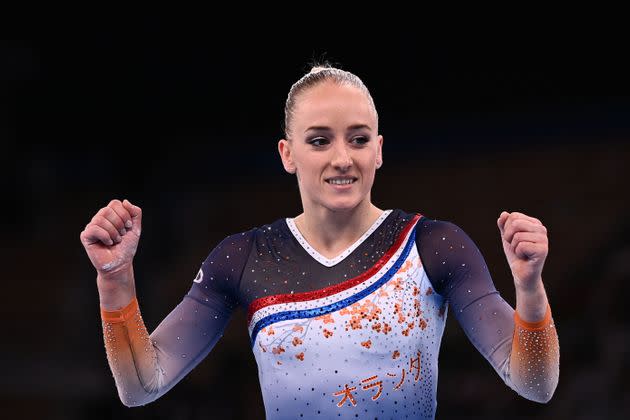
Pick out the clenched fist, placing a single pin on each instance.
(111, 238)
(526, 245)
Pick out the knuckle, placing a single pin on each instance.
(103, 223)
(104, 211)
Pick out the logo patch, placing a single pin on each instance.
(199, 276)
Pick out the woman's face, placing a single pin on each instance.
(334, 133)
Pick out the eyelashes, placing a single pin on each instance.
(317, 141)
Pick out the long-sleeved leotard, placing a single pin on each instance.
(356, 334)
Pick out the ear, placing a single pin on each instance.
(379, 153)
(284, 148)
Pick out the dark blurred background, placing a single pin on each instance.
(183, 119)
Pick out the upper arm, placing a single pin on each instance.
(458, 271)
(193, 327)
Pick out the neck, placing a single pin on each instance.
(329, 231)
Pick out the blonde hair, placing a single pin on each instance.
(318, 74)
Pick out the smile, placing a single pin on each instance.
(341, 185)
(341, 181)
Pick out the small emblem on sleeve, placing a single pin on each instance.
(199, 276)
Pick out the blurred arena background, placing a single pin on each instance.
(184, 121)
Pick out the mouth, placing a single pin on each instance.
(341, 183)
(341, 180)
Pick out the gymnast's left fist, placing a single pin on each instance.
(526, 246)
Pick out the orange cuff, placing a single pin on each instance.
(542, 324)
(120, 315)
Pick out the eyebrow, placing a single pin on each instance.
(350, 128)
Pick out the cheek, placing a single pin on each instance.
(306, 174)
(311, 169)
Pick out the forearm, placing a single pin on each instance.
(145, 366)
(131, 355)
(535, 356)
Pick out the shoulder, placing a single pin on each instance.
(242, 240)
(444, 243)
(238, 238)
(425, 225)
(434, 233)
(234, 244)
(253, 232)
(430, 226)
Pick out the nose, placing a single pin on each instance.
(341, 156)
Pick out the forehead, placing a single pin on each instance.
(332, 104)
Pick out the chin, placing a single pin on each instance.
(342, 205)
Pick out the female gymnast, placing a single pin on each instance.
(346, 302)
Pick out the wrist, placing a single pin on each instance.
(116, 289)
(531, 302)
(120, 315)
(120, 273)
(531, 287)
(536, 324)
(116, 301)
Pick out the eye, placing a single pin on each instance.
(321, 141)
(362, 139)
(315, 141)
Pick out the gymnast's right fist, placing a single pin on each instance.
(111, 238)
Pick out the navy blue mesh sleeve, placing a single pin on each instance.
(146, 367)
(458, 272)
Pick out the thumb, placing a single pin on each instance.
(501, 221)
(136, 216)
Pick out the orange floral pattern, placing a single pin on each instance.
(400, 297)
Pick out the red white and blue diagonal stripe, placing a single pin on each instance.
(271, 309)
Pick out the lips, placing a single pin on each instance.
(342, 185)
(346, 186)
(342, 178)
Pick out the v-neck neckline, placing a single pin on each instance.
(329, 262)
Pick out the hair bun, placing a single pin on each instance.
(317, 69)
